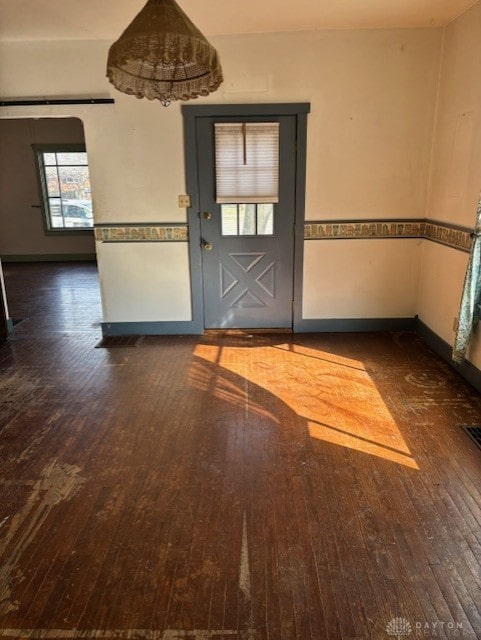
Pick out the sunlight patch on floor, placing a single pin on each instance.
(353, 441)
(334, 394)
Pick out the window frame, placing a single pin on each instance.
(38, 151)
(256, 220)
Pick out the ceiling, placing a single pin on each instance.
(106, 19)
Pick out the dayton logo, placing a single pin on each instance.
(399, 627)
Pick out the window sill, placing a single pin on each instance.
(69, 232)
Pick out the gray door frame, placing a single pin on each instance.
(190, 114)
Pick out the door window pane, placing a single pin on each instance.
(247, 219)
(229, 219)
(265, 219)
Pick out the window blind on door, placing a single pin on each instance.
(247, 162)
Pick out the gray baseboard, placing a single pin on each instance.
(355, 325)
(304, 326)
(50, 257)
(466, 369)
(150, 328)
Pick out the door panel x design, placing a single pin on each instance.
(248, 281)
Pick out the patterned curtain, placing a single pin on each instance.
(469, 312)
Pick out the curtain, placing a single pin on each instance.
(247, 162)
(470, 299)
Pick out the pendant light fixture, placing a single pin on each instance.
(162, 56)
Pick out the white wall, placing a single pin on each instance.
(372, 96)
(456, 168)
(135, 147)
(365, 290)
(456, 174)
(443, 270)
(129, 271)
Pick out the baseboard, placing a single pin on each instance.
(150, 328)
(304, 326)
(50, 257)
(443, 349)
(355, 325)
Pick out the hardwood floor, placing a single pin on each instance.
(253, 486)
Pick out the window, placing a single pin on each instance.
(247, 176)
(247, 219)
(65, 187)
(247, 162)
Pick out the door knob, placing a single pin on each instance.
(207, 215)
(207, 246)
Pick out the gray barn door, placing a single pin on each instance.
(247, 254)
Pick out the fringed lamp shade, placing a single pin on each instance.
(162, 55)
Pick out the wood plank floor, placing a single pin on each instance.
(255, 487)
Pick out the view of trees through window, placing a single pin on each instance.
(247, 219)
(65, 184)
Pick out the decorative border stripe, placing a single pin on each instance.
(455, 237)
(142, 233)
(363, 229)
(442, 233)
